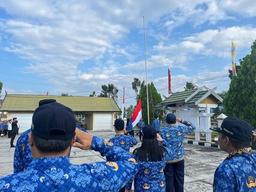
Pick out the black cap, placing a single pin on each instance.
(53, 121)
(46, 101)
(237, 129)
(119, 124)
(170, 118)
(149, 132)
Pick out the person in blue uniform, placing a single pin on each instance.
(174, 135)
(141, 124)
(129, 127)
(53, 133)
(122, 140)
(22, 153)
(238, 171)
(156, 123)
(150, 158)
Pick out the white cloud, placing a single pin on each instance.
(56, 37)
(211, 79)
(245, 8)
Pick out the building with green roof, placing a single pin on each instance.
(195, 106)
(94, 113)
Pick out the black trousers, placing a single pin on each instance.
(174, 176)
(12, 139)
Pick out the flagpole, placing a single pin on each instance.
(123, 102)
(146, 69)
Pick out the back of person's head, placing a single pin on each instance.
(170, 118)
(239, 132)
(53, 127)
(151, 149)
(119, 125)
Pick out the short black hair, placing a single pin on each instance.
(119, 124)
(51, 145)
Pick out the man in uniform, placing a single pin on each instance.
(238, 171)
(156, 124)
(52, 135)
(14, 131)
(173, 136)
(22, 153)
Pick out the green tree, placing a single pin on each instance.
(189, 86)
(136, 85)
(109, 90)
(64, 94)
(154, 99)
(129, 111)
(1, 86)
(93, 94)
(240, 100)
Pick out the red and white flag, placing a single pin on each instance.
(137, 114)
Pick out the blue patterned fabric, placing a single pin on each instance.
(22, 154)
(237, 173)
(129, 127)
(174, 136)
(150, 177)
(124, 141)
(58, 174)
(156, 124)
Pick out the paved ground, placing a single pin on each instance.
(201, 162)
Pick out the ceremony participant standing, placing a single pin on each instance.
(129, 127)
(141, 124)
(122, 140)
(238, 171)
(156, 123)
(22, 153)
(174, 135)
(52, 135)
(150, 158)
(14, 131)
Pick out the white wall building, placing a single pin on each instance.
(95, 113)
(195, 106)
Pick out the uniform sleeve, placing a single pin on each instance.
(133, 141)
(187, 127)
(224, 179)
(18, 164)
(117, 171)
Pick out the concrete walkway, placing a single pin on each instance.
(201, 162)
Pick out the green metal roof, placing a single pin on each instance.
(195, 98)
(178, 97)
(18, 102)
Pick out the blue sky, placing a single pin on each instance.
(76, 46)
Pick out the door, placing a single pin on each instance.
(102, 121)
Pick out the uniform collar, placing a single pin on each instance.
(46, 162)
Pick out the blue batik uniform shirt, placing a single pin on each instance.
(156, 124)
(174, 136)
(124, 141)
(22, 154)
(150, 177)
(129, 127)
(58, 174)
(236, 174)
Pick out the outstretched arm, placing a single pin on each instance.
(117, 171)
